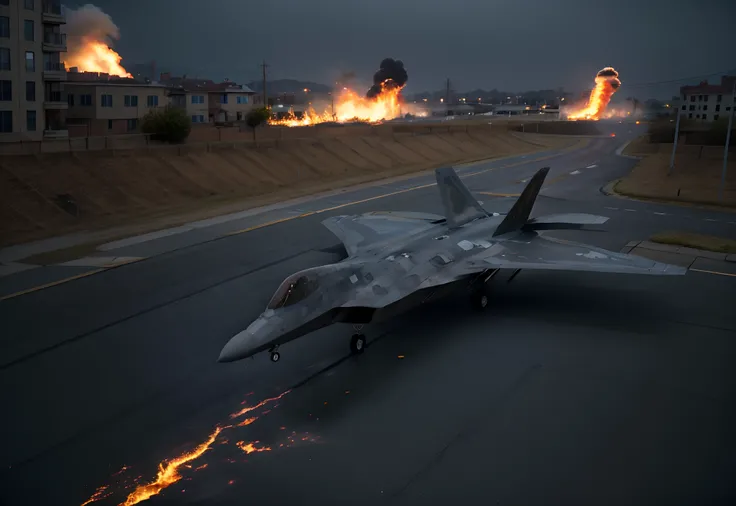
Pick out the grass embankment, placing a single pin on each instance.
(697, 241)
(695, 178)
(50, 195)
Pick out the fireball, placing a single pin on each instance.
(96, 56)
(606, 84)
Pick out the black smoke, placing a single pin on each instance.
(611, 76)
(390, 75)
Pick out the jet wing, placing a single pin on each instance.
(362, 231)
(549, 253)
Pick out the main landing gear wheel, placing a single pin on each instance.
(275, 356)
(480, 299)
(357, 344)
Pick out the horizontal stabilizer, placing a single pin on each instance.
(570, 221)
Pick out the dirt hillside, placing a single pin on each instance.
(47, 194)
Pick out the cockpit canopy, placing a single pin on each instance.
(294, 289)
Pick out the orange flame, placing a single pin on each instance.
(168, 472)
(251, 447)
(95, 56)
(350, 106)
(98, 495)
(248, 409)
(605, 87)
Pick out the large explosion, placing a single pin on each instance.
(381, 102)
(89, 34)
(606, 84)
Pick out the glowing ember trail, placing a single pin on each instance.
(168, 472)
(248, 409)
(606, 84)
(251, 447)
(89, 34)
(248, 421)
(98, 495)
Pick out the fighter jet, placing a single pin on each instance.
(398, 260)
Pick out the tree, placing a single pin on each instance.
(257, 117)
(170, 124)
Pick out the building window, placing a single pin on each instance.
(106, 100)
(718, 107)
(242, 100)
(705, 107)
(715, 117)
(70, 99)
(223, 98)
(131, 100)
(109, 124)
(705, 98)
(6, 91)
(705, 116)
(28, 4)
(28, 30)
(30, 61)
(152, 101)
(692, 98)
(728, 108)
(85, 100)
(4, 58)
(692, 107)
(197, 99)
(690, 115)
(700, 98)
(719, 98)
(132, 124)
(30, 91)
(697, 116)
(684, 107)
(31, 121)
(6, 121)
(198, 118)
(4, 27)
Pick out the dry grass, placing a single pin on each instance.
(153, 189)
(697, 241)
(696, 177)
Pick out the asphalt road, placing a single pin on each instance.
(574, 388)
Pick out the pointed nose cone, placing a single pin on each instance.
(236, 348)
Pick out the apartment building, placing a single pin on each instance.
(708, 102)
(110, 106)
(230, 102)
(195, 102)
(32, 101)
(208, 102)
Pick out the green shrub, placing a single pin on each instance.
(257, 117)
(170, 124)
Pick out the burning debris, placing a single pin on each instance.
(381, 102)
(89, 34)
(606, 84)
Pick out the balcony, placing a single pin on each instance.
(54, 42)
(55, 100)
(56, 132)
(54, 71)
(52, 13)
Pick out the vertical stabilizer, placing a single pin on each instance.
(460, 206)
(519, 214)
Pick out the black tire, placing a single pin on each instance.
(357, 344)
(275, 356)
(481, 299)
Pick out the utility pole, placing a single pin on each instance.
(264, 66)
(447, 93)
(674, 143)
(722, 189)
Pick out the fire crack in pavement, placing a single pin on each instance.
(170, 471)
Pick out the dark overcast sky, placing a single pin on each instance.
(503, 44)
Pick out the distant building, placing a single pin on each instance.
(99, 104)
(209, 102)
(32, 103)
(708, 102)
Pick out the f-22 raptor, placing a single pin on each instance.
(398, 260)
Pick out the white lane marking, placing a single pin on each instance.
(591, 166)
(732, 222)
(630, 210)
(575, 172)
(612, 208)
(660, 214)
(710, 219)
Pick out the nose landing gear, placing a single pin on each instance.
(357, 342)
(275, 355)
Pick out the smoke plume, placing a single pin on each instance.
(90, 33)
(390, 75)
(609, 75)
